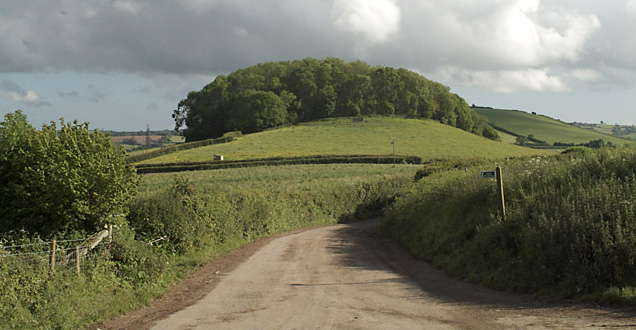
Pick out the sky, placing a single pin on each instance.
(125, 64)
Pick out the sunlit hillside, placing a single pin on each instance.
(543, 128)
(341, 136)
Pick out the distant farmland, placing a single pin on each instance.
(140, 139)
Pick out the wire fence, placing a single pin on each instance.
(55, 252)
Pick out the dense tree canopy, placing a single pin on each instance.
(273, 94)
(59, 179)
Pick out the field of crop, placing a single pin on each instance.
(280, 178)
(543, 128)
(341, 136)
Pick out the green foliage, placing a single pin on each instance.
(130, 141)
(577, 151)
(569, 230)
(272, 94)
(34, 299)
(59, 180)
(176, 215)
(253, 111)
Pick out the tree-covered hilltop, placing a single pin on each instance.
(273, 94)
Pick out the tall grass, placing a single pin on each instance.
(570, 228)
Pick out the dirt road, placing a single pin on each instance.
(346, 277)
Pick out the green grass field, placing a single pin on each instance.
(341, 136)
(279, 178)
(543, 127)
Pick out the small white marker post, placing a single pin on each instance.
(393, 143)
(496, 174)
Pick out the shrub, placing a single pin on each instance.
(177, 217)
(59, 179)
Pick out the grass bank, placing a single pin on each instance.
(570, 229)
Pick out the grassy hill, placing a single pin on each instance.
(341, 136)
(543, 128)
(625, 131)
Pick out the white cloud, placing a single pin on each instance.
(502, 81)
(127, 6)
(631, 6)
(373, 20)
(497, 34)
(12, 91)
(587, 75)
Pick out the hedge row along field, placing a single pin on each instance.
(275, 161)
(201, 214)
(176, 148)
(570, 227)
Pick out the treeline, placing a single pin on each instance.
(594, 144)
(273, 94)
(165, 132)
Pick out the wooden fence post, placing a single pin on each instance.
(52, 262)
(110, 235)
(501, 193)
(77, 259)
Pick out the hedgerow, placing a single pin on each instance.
(274, 161)
(570, 227)
(177, 147)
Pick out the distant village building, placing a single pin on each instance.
(218, 157)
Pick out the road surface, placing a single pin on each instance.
(347, 277)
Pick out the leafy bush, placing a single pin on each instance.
(177, 216)
(137, 262)
(59, 180)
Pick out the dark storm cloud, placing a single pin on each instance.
(161, 36)
(500, 45)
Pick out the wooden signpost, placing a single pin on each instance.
(496, 174)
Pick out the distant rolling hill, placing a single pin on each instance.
(341, 136)
(543, 128)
